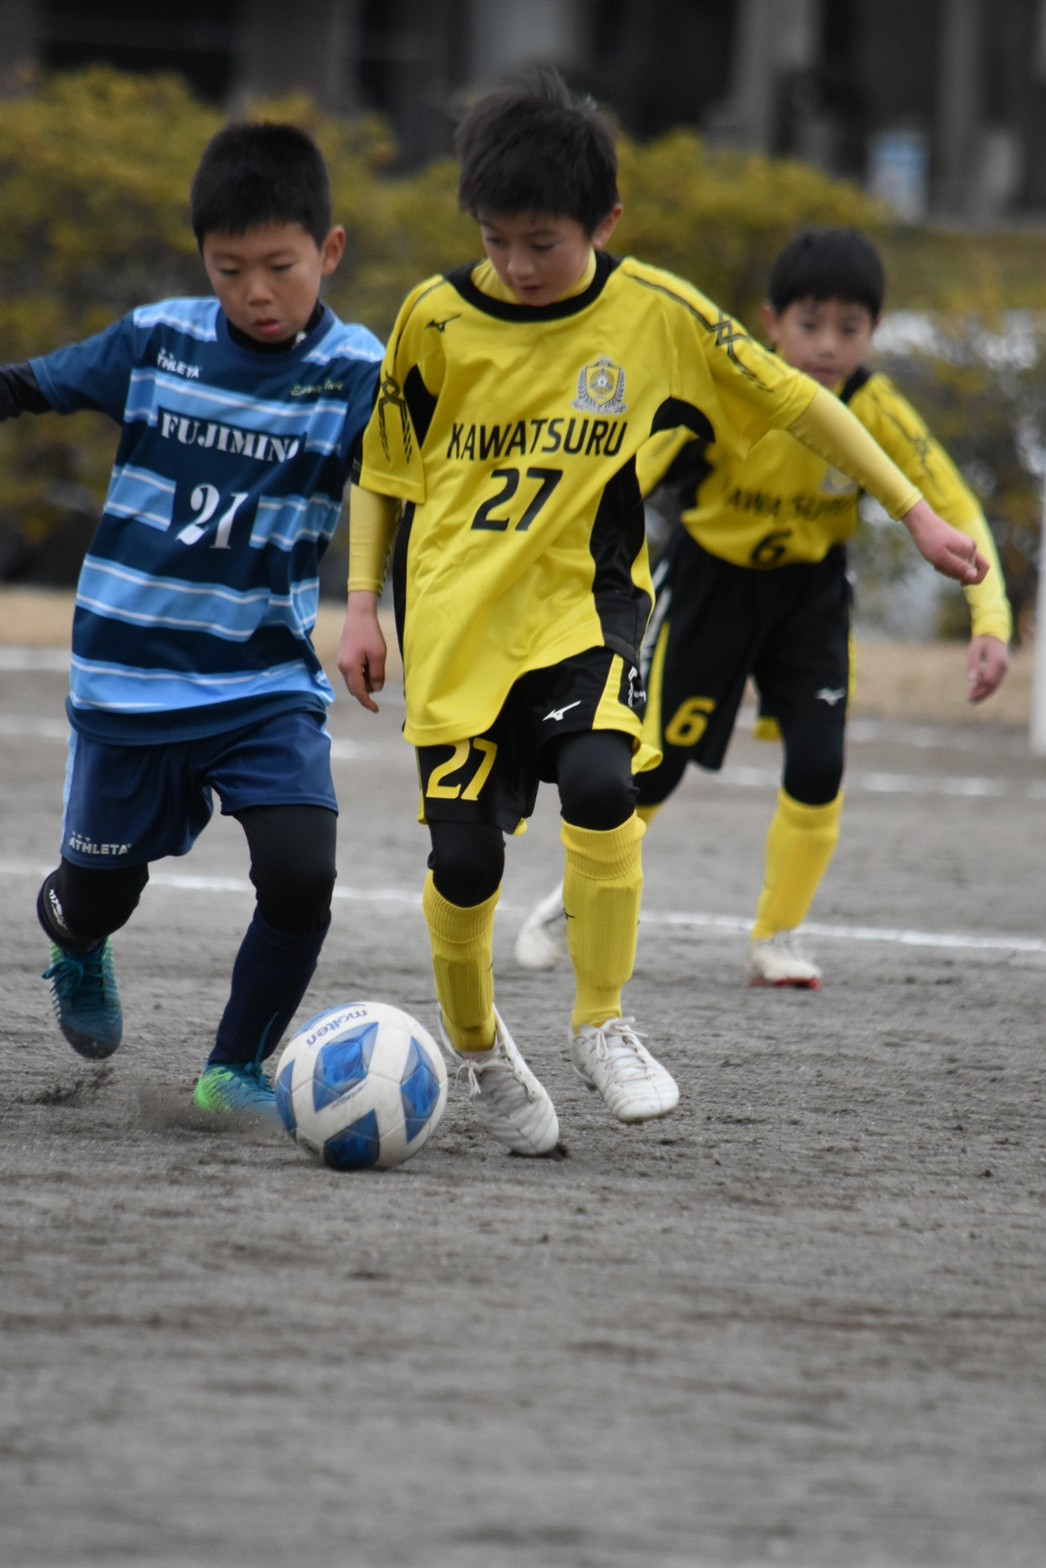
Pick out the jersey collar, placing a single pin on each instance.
(510, 310)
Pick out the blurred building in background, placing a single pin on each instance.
(938, 106)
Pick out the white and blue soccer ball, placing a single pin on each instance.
(361, 1086)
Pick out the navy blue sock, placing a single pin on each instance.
(269, 978)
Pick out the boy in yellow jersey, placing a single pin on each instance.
(755, 585)
(516, 395)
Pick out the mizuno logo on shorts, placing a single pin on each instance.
(557, 713)
(830, 694)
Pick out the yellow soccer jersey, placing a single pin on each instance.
(779, 503)
(511, 434)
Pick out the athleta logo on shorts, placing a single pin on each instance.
(830, 694)
(87, 846)
(634, 695)
(601, 389)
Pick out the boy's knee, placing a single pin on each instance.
(813, 769)
(594, 774)
(295, 893)
(293, 864)
(78, 906)
(816, 783)
(467, 863)
(599, 803)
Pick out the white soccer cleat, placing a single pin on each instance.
(780, 961)
(612, 1059)
(505, 1095)
(542, 939)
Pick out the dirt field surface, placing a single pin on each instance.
(800, 1322)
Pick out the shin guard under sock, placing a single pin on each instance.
(462, 942)
(602, 890)
(799, 846)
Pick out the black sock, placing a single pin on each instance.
(269, 978)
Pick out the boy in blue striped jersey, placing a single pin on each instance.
(193, 670)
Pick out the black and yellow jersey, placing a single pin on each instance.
(511, 434)
(778, 503)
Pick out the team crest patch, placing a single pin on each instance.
(601, 389)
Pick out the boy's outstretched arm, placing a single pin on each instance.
(20, 392)
(952, 553)
(373, 520)
(828, 427)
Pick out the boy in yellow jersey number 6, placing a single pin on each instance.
(516, 395)
(755, 584)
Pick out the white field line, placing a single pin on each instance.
(186, 882)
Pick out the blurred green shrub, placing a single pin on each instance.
(95, 171)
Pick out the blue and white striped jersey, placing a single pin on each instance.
(199, 592)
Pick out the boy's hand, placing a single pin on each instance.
(987, 661)
(361, 650)
(950, 552)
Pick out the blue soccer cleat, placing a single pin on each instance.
(86, 1000)
(227, 1087)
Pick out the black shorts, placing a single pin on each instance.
(493, 778)
(714, 625)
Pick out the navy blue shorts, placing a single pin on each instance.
(129, 805)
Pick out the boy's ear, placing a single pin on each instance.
(604, 229)
(769, 316)
(332, 250)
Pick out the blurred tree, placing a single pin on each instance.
(95, 171)
(981, 386)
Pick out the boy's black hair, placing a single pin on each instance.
(828, 264)
(532, 147)
(257, 172)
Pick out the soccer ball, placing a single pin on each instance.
(361, 1086)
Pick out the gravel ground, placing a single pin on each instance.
(799, 1322)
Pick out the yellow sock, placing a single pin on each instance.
(602, 888)
(646, 814)
(799, 845)
(462, 943)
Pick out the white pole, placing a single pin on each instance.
(1037, 734)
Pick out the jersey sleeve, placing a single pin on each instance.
(411, 375)
(93, 374)
(829, 428)
(756, 391)
(373, 519)
(903, 433)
